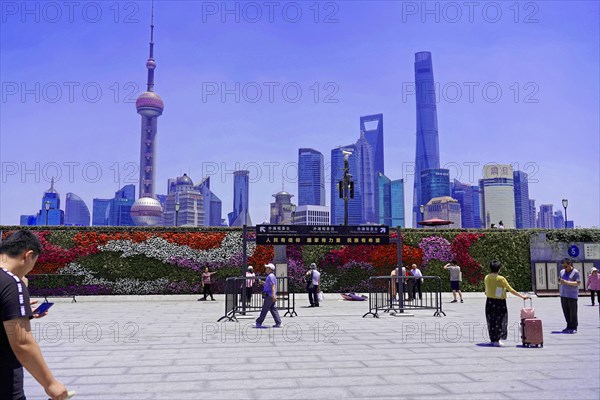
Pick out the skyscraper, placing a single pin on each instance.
(533, 213)
(241, 187)
(427, 152)
(463, 194)
(497, 196)
(434, 183)
(522, 213)
(366, 179)
(355, 205)
(546, 217)
(559, 220)
(445, 208)
(99, 208)
(76, 211)
(118, 211)
(475, 191)
(213, 207)
(391, 201)
(372, 126)
(50, 212)
(397, 192)
(149, 106)
(311, 178)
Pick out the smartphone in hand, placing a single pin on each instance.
(42, 308)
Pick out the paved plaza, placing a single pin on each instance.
(171, 347)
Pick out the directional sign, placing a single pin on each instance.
(573, 251)
(322, 234)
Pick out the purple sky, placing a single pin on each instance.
(543, 56)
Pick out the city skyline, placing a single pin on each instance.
(196, 145)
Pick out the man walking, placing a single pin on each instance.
(269, 299)
(569, 280)
(416, 272)
(18, 348)
(455, 279)
(313, 278)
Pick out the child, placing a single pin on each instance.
(593, 284)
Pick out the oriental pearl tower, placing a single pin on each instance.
(147, 210)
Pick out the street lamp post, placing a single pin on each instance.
(177, 205)
(47, 208)
(422, 210)
(565, 203)
(346, 186)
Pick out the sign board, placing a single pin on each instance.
(323, 234)
(573, 251)
(591, 251)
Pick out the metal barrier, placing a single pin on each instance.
(53, 285)
(398, 294)
(244, 295)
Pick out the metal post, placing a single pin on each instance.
(245, 250)
(565, 217)
(399, 271)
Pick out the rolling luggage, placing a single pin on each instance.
(531, 328)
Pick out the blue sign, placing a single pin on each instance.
(573, 251)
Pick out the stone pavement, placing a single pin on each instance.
(171, 347)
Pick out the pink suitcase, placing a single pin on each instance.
(532, 333)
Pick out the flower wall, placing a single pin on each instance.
(111, 260)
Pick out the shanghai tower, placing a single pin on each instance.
(428, 153)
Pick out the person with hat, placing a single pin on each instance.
(313, 278)
(269, 299)
(593, 284)
(249, 283)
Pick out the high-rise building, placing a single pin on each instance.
(497, 196)
(533, 213)
(50, 212)
(355, 205)
(559, 220)
(476, 206)
(522, 209)
(311, 177)
(427, 151)
(463, 193)
(213, 207)
(311, 215)
(118, 211)
(190, 201)
(149, 106)
(397, 191)
(391, 201)
(27, 220)
(434, 183)
(546, 217)
(281, 208)
(366, 179)
(76, 211)
(372, 126)
(241, 188)
(99, 212)
(445, 208)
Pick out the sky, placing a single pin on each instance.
(246, 84)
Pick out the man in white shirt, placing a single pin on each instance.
(313, 278)
(416, 272)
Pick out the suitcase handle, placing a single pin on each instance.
(530, 302)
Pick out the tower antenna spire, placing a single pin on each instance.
(151, 64)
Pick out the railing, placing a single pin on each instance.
(399, 294)
(244, 295)
(53, 285)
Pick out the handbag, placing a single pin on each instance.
(527, 313)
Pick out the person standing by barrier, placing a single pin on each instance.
(593, 284)
(569, 280)
(269, 299)
(418, 280)
(455, 278)
(206, 284)
(313, 279)
(18, 348)
(250, 275)
(496, 312)
(394, 283)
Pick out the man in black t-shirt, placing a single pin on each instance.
(18, 348)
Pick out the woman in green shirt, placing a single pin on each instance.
(496, 311)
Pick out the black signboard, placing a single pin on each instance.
(323, 234)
